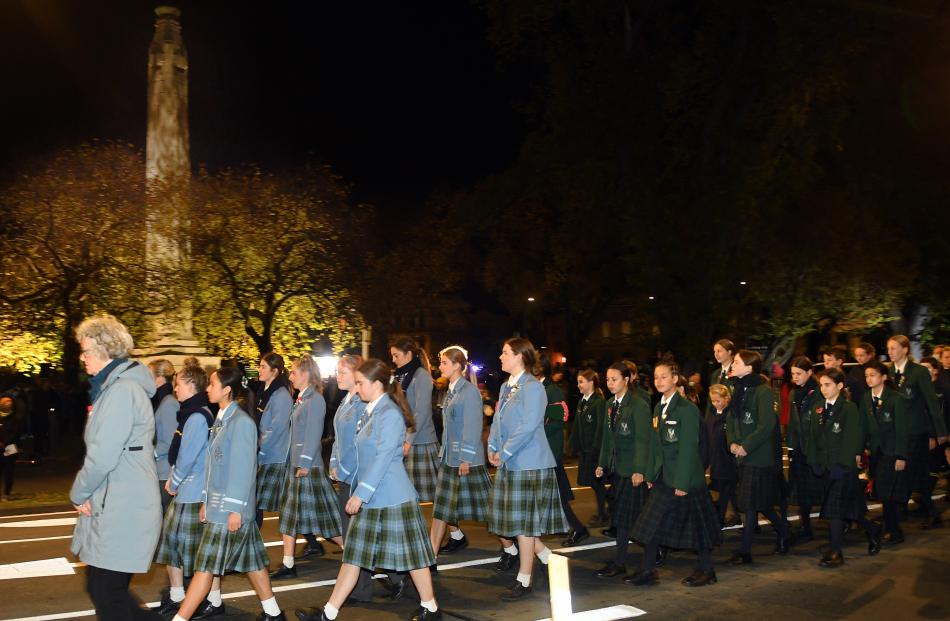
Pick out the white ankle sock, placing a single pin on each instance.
(524, 579)
(512, 550)
(544, 555)
(270, 606)
(289, 561)
(176, 594)
(458, 535)
(430, 605)
(330, 611)
(215, 598)
(179, 618)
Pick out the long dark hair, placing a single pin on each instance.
(408, 345)
(529, 355)
(233, 378)
(375, 370)
(837, 376)
(275, 361)
(591, 376)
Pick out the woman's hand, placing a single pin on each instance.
(405, 448)
(494, 459)
(932, 442)
(463, 468)
(637, 479)
(740, 452)
(168, 488)
(899, 465)
(234, 522)
(333, 474)
(85, 508)
(733, 448)
(201, 514)
(679, 492)
(353, 505)
(598, 472)
(302, 472)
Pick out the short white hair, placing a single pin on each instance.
(110, 337)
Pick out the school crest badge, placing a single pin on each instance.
(671, 434)
(747, 418)
(836, 427)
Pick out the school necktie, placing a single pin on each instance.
(722, 376)
(614, 412)
(897, 378)
(877, 403)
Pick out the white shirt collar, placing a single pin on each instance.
(225, 410)
(514, 378)
(372, 404)
(831, 402)
(665, 400)
(725, 368)
(880, 391)
(586, 397)
(452, 385)
(900, 369)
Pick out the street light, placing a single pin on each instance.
(531, 299)
(742, 282)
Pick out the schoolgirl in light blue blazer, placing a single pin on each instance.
(462, 426)
(517, 431)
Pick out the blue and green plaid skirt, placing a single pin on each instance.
(309, 506)
(181, 534)
(221, 551)
(422, 465)
(462, 498)
(393, 538)
(526, 502)
(270, 486)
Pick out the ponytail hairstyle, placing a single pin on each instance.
(308, 365)
(837, 376)
(351, 361)
(728, 345)
(803, 362)
(408, 345)
(591, 376)
(375, 370)
(162, 368)
(529, 355)
(674, 368)
(275, 361)
(627, 370)
(752, 359)
(233, 378)
(459, 355)
(194, 375)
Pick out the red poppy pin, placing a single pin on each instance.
(819, 410)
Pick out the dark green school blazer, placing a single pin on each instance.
(752, 428)
(588, 430)
(889, 424)
(923, 409)
(678, 435)
(800, 423)
(627, 443)
(554, 418)
(838, 436)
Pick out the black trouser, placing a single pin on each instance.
(9, 468)
(892, 523)
(109, 591)
(649, 557)
(727, 493)
(363, 591)
(748, 527)
(600, 493)
(804, 514)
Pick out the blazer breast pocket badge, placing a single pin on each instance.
(747, 418)
(624, 428)
(836, 427)
(671, 434)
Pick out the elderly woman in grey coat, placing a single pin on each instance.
(116, 490)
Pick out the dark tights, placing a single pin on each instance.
(600, 493)
(649, 557)
(804, 514)
(623, 541)
(748, 527)
(837, 531)
(727, 494)
(892, 523)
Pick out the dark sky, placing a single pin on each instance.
(401, 98)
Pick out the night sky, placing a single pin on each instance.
(402, 99)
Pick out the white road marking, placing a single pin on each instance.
(70, 521)
(611, 613)
(25, 515)
(37, 569)
(37, 539)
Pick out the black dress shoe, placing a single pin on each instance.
(611, 570)
(167, 608)
(874, 541)
(207, 609)
(266, 617)
(516, 592)
(424, 614)
(310, 614)
(610, 532)
(643, 578)
(283, 573)
(575, 538)
(506, 562)
(700, 578)
(892, 539)
(454, 545)
(661, 553)
(739, 558)
(596, 521)
(931, 523)
(402, 589)
(831, 560)
(313, 550)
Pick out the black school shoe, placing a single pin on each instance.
(892, 539)
(207, 610)
(661, 553)
(506, 562)
(575, 537)
(313, 550)
(167, 608)
(284, 572)
(832, 560)
(266, 617)
(874, 541)
(738, 558)
(610, 532)
(454, 545)
(424, 614)
(611, 570)
(700, 578)
(516, 592)
(310, 614)
(643, 578)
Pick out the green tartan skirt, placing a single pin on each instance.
(181, 534)
(309, 506)
(393, 538)
(526, 502)
(462, 498)
(422, 466)
(221, 551)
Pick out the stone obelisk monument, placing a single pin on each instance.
(168, 172)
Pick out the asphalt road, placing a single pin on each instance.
(908, 581)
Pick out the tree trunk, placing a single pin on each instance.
(70, 350)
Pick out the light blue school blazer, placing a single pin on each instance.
(275, 428)
(381, 477)
(517, 431)
(231, 470)
(306, 429)
(343, 453)
(462, 426)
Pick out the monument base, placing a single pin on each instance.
(175, 351)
